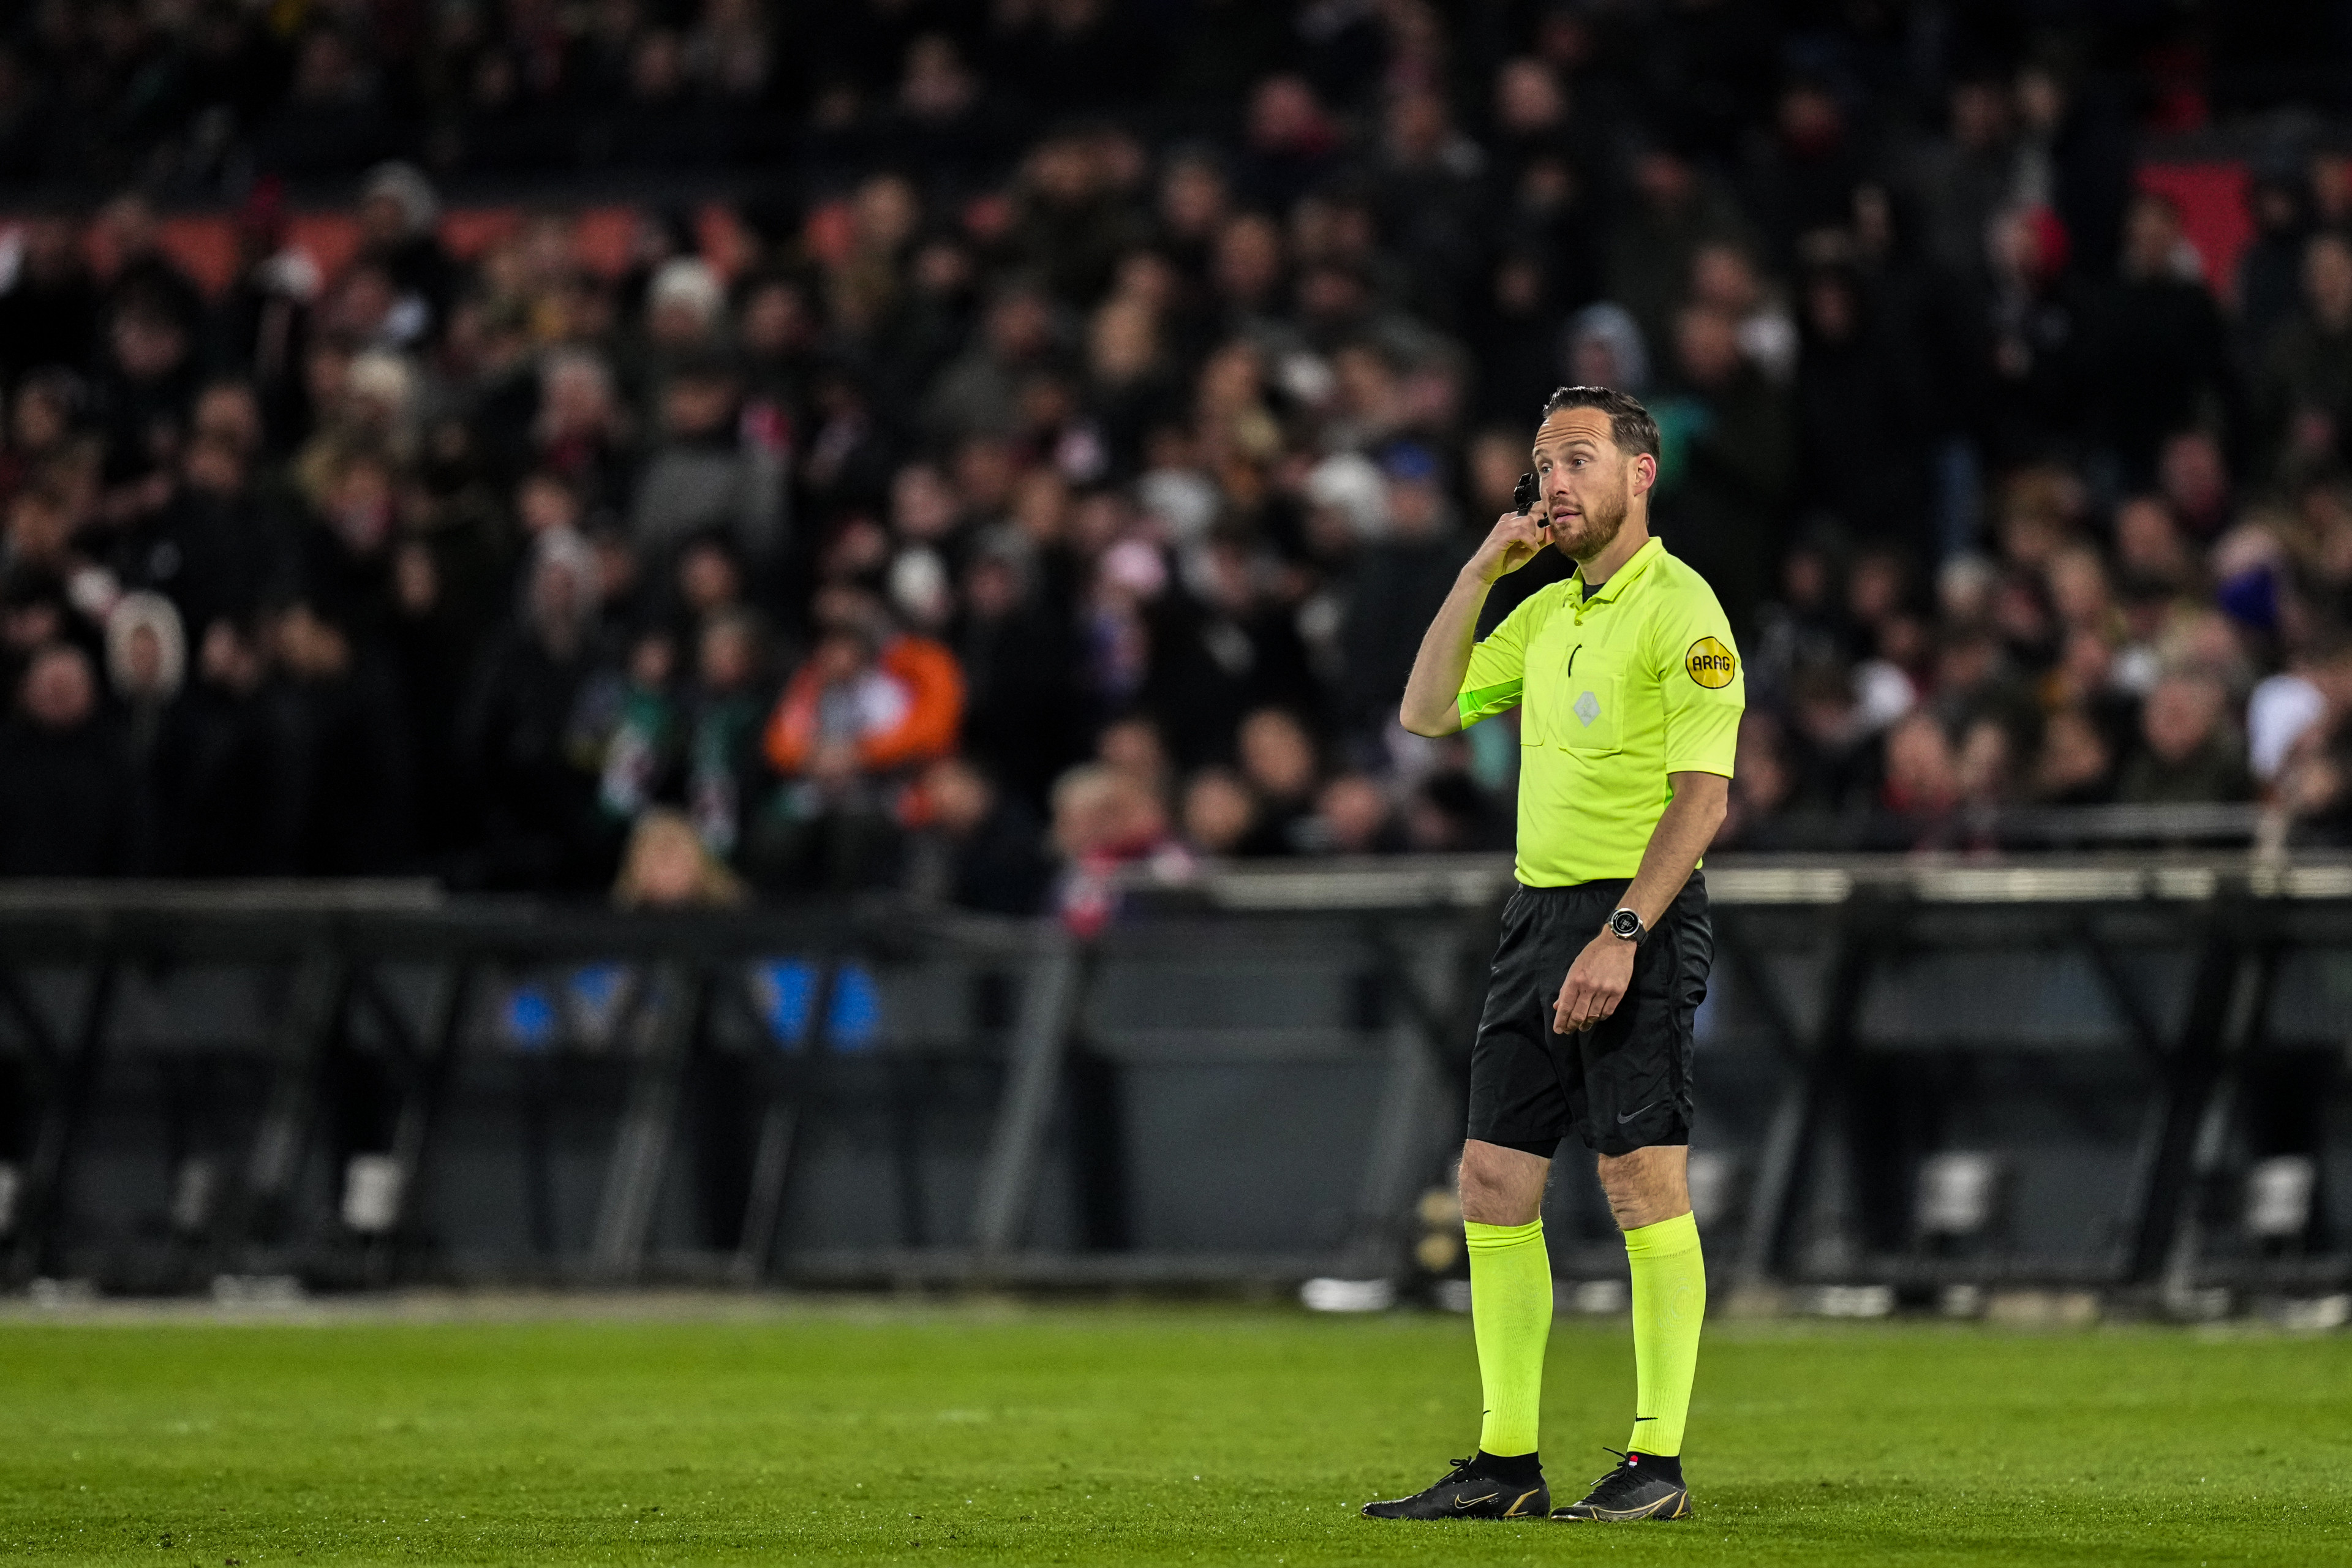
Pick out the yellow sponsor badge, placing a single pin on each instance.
(1711, 664)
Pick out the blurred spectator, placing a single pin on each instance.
(1279, 769)
(65, 803)
(262, 326)
(1964, 175)
(641, 743)
(975, 846)
(1222, 644)
(1287, 142)
(2313, 784)
(1729, 460)
(534, 791)
(2160, 362)
(1401, 578)
(1761, 787)
(705, 475)
(1104, 822)
(2270, 269)
(685, 314)
(1220, 816)
(1675, 208)
(2307, 367)
(346, 552)
(225, 809)
(1352, 817)
(1017, 650)
(1605, 348)
(666, 865)
(579, 435)
(146, 664)
(876, 698)
(1448, 813)
(2077, 763)
(1922, 776)
(349, 791)
(1428, 175)
(2186, 753)
(146, 379)
(398, 211)
(42, 426)
(867, 703)
(721, 730)
(1133, 748)
(2284, 708)
(1863, 419)
(48, 307)
(2034, 321)
(980, 392)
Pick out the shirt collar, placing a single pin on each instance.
(1635, 564)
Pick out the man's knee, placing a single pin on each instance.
(1499, 1185)
(1646, 1186)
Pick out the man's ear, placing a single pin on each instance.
(1645, 472)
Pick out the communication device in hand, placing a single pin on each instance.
(1525, 496)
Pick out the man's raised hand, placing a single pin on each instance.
(1517, 539)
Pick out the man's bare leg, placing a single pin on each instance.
(1499, 1185)
(1646, 1186)
(1649, 1194)
(1510, 1310)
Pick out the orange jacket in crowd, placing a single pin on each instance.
(919, 723)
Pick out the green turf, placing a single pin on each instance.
(1011, 1435)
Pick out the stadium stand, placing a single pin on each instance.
(924, 443)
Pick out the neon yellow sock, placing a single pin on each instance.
(1511, 1313)
(1669, 1305)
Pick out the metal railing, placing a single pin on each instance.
(1914, 1072)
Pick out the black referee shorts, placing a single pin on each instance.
(1624, 1084)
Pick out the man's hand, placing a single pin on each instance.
(1596, 983)
(1517, 539)
(1432, 689)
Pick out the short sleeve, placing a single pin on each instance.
(1701, 684)
(1498, 663)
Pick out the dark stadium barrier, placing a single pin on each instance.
(1916, 1076)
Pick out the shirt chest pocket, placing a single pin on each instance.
(1578, 705)
(1590, 714)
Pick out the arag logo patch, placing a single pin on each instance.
(1711, 664)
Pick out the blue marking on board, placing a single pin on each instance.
(785, 992)
(854, 1020)
(597, 991)
(529, 1020)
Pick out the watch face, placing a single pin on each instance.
(1625, 922)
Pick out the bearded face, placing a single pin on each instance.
(1601, 506)
(1589, 482)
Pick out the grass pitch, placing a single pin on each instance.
(912, 1433)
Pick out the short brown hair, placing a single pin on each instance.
(1630, 425)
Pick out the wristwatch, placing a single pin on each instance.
(1626, 926)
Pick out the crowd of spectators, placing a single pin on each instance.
(1057, 474)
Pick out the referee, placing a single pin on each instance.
(1629, 693)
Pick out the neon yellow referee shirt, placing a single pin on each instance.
(1619, 691)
